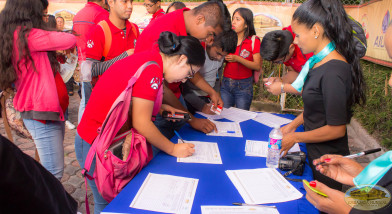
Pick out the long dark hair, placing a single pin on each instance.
(332, 16)
(22, 15)
(170, 44)
(247, 15)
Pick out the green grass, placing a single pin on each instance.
(376, 115)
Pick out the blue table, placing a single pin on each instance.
(214, 187)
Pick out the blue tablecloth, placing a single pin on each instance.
(214, 187)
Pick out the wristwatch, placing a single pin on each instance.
(282, 88)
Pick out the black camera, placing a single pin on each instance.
(293, 162)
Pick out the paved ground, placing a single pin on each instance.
(74, 183)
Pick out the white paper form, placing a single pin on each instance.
(233, 114)
(237, 210)
(271, 120)
(211, 116)
(226, 129)
(166, 193)
(205, 152)
(261, 186)
(260, 148)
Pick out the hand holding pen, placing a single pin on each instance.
(339, 168)
(267, 80)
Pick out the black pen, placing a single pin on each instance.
(358, 154)
(256, 205)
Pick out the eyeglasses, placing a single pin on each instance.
(148, 5)
(191, 74)
(281, 61)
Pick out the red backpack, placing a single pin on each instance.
(112, 173)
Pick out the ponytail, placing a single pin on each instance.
(172, 45)
(334, 19)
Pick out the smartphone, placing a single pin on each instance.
(116, 148)
(178, 116)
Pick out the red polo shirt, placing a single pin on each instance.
(298, 59)
(113, 82)
(85, 20)
(173, 22)
(120, 43)
(238, 71)
(157, 14)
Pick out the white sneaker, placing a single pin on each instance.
(69, 125)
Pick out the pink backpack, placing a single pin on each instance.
(111, 173)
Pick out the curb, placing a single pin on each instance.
(363, 139)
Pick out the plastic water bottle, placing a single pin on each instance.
(274, 146)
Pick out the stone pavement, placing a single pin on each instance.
(72, 179)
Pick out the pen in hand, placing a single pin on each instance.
(357, 154)
(268, 83)
(179, 137)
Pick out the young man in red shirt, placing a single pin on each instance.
(112, 39)
(203, 22)
(154, 7)
(277, 46)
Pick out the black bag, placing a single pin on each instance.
(27, 187)
(359, 37)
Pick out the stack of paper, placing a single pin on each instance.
(227, 129)
(237, 210)
(271, 120)
(261, 186)
(166, 193)
(260, 148)
(233, 114)
(205, 152)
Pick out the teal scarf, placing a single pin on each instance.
(373, 173)
(300, 81)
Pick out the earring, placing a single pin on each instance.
(316, 37)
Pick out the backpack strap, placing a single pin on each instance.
(253, 42)
(108, 37)
(92, 151)
(3, 96)
(134, 30)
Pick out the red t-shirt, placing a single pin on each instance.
(85, 20)
(173, 22)
(235, 70)
(61, 92)
(120, 43)
(298, 59)
(157, 14)
(113, 82)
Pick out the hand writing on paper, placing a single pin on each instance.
(334, 203)
(183, 150)
(338, 168)
(288, 141)
(203, 125)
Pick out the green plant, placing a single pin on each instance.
(376, 114)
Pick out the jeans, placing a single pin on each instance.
(167, 127)
(81, 150)
(48, 139)
(238, 93)
(86, 92)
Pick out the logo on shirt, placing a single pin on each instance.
(244, 53)
(90, 43)
(155, 83)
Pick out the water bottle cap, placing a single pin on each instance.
(277, 126)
